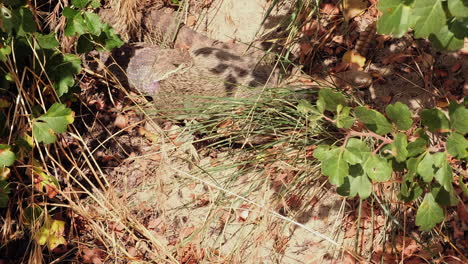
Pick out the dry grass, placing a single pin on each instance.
(241, 170)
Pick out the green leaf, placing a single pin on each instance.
(331, 99)
(335, 167)
(395, 19)
(111, 40)
(444, 197)
(463, 186)
(84, 44)
(409, 191)
(69, 12)
(398, 146)
(412, 165)
(359, 183)
(80, 3)
(426, 168)
(377, 168)
(458, 8)
(15, 3)
(51, 233)
(62, 69)
(459, 118)
(321, 105)
(33, 213)
(322, 152)
(95, 3)
(343, 120)
(4, 52)
(400, 115)
(434, 119)
(429, 17)
(457, 146)
(7, 157)
(22, 21)
(416, 147)
(446, 39)
(93, 23)
(305, 107)
(355, 151)
(459, 28)
(54, 121)
(4, 191)
(374, 120)
(75, 25)
(444, 174)
(439, 159)
(344, 189)
(47, 41)
(429, 213)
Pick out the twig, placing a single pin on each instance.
(370, 134)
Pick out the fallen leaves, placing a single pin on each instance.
(92, 255)
(353, 8)
(396, 58)
(329, 9)
(121, 121)
(354, 59)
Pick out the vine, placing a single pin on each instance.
(422, 155)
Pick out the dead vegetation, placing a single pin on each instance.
(233, 179)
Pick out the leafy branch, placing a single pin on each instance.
(444, 22)
(376, 147)
(32, 62)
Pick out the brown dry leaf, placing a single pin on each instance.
(294, 202)
(348, 259)
(191, 254)
(353, 8)
(311, 28)
(132, 251)
(340, 67)
(442, 103)
(191, 21)
(440, 73)
(207, 3)
(426, 59)
(156, 157)
(116, 227)
(154, 223)
(449, 85)
(305, 48)
(407, 246)
(352, 57)
(398, 58)
(338, 39)
(281, 243)
(186, 232)
(51, 190)
(92, 255)
(329, 9)
(121, 121)
(456, 67)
